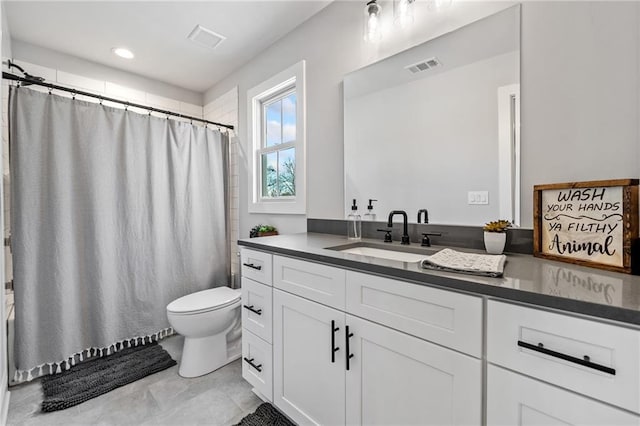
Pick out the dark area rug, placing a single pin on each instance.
(266, 415)
(98, 376)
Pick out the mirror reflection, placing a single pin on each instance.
(436, 127)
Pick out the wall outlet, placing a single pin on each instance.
(478, 197)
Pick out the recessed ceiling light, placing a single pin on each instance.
(123, 52)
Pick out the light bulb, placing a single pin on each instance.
(440, 4)
(123, 52)
(403, 12)
(372, 28)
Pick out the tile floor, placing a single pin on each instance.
(164, 398)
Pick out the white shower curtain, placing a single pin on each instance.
(114, 215)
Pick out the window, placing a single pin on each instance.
(278, 146)
(277, 135)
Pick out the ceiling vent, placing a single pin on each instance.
(205, 37)
(423, 65)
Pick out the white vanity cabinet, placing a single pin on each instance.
(332, 367)
(359, 349)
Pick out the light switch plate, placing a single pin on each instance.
(478, 197)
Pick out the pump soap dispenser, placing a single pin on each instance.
(354, 223)
(370, 214)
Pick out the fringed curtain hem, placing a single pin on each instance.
(22, 376)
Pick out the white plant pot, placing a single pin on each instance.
(494, 242)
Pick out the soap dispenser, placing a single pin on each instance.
(370, 214)
(354, 223)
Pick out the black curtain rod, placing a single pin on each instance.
(38, 82)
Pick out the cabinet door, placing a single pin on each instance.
(307, 385)
(397, 379)
(516, 400)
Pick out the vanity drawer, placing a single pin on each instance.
(256, 308)
(447, 318)
(513, 399)
(256, 265)
(257, 364)
(589, 357)
(320, 283)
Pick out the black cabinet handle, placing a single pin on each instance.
(334, 349)
(347, 337)
(250, 362)
(255, 311)
(585, 361)
(252, 266)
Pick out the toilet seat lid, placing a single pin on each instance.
(205, 300)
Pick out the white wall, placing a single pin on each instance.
(74, 65)
(579, 92)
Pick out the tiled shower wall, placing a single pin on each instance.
(224, 110)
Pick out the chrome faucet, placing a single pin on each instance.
(405, 228)
(426, 215)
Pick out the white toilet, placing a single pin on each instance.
(210, 322)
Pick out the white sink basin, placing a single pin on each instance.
(385, 254)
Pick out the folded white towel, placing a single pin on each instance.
(489, 265)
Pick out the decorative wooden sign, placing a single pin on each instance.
(587, 223)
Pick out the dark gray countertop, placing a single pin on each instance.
(609, 295)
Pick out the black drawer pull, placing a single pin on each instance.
(349, 355)
(255, 311)
(252, 266)
(250, 362)
(334, 349)
(585, 361)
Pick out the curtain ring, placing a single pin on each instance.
(100, 97)
(73, 96)
(126, 107)
(149, 111)
(50, 90)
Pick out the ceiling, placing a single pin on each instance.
(157, 33)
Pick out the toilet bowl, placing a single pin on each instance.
(209, 320)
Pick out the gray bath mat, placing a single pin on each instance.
(98, 376)
(266, 415)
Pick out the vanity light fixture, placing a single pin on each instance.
(123, 52)
(403, 12)
(372, 25)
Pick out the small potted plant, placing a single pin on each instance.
(262, 231)
(495, 236)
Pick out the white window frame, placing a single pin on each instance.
(291, 78)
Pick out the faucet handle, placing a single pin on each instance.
(387, 236)
(426, 242)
